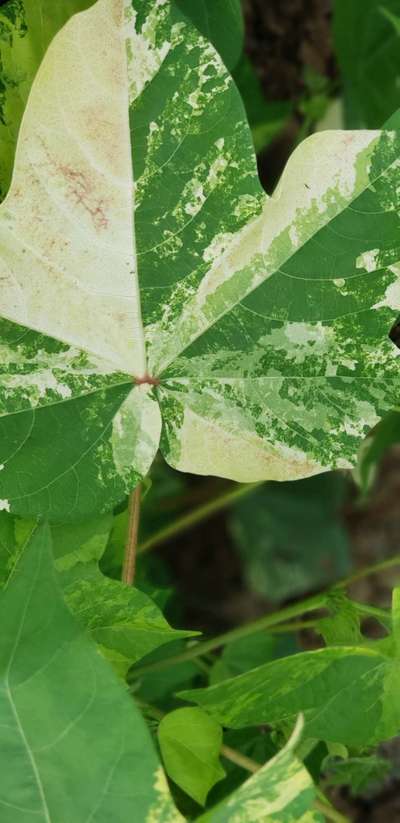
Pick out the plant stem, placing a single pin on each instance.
(199, 649)
(203, 512)
(128, 571)
(373, 569)
(240, 759)
(330, 813)
(267, 622)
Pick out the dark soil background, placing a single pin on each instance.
(282, 38)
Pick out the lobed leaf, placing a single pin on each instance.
(245, 335)
(27, 27)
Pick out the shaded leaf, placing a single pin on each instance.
(373, 449)
(290, 536)
(190, 743)
(359, 773)
(250, 652)
(367, 47)
(266, 118)
(84, 753)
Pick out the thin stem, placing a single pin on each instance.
(323, 805)
(373, 569)
(263, 623)
(330, 813)
(203, 512)
(129, 568)
(240, 759)
(199, 649)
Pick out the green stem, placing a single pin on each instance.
(330, 813)
(203, 512)
(375, 568)
(240, 759)
(266, 622)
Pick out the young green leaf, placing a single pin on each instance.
(74, 747)
(282, 791)
(190, 742)
(348, 695)
(26, 29)
(252, 330)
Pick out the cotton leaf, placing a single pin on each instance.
(153, 295)
(74, 747)
(282, 791)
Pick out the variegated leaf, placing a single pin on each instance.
(282, 791)
(147, 282)
(26, 29)
(347, 694)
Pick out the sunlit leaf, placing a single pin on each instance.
(246, 336)
(190, 743)
(26, 29)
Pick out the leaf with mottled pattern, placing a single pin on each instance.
(26, 29)
(153, 295)
(347, 694)
(282, 791)
(83, 753)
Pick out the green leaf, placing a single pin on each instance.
(343, 624)
(221, 22)
(248, 333)
(190, 743)
(266, 118)
(61, 708)
(26, 29)
(373, 449)
(359, 773)
(347, 694)
(250, 652)
(290, 537)
(366, 40)
(124, 622)
(280, 791)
